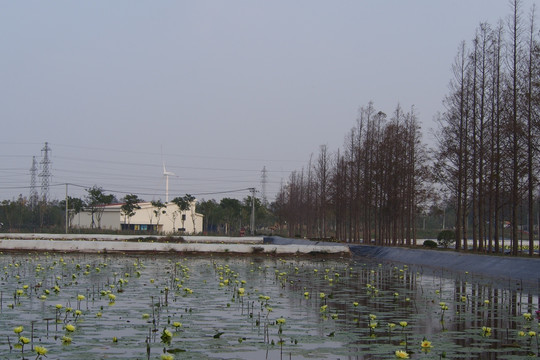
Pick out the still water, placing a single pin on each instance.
(256, 307)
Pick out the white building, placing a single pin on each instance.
(146, 219)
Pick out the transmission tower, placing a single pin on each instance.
(264, 180)
(34, 197)
(45, 172)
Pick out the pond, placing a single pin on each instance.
(81, 306)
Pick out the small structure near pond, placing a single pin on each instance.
(146, 219)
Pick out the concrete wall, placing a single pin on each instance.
(110, 219)
(150, 247)
(172, 219)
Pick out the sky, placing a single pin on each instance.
(215, 90)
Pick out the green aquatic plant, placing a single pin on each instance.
(40, 351)
(391, 326)
(166, 337)
(403, 325)
(79, 299)
(486, 331)
(23, 341)
(425, 345)
(400, 354)
(443, 307)
(66, 340)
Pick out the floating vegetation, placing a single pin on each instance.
(157, 307)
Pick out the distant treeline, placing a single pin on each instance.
(227, 217)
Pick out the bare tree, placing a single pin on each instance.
(322, 173)
(529, 113)
(514, 62)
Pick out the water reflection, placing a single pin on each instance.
(333, 309)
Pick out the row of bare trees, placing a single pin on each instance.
(488, 136)
(369, 191)
(488, 155)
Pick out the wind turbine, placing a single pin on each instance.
(167, 174)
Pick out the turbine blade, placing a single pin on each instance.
(163, 160)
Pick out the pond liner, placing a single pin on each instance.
(526, 270)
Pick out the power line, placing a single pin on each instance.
(223, 192)
(14, 187)
(101, 161)
(177, 155)
(132, 192)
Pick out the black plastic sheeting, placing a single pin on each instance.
(525, 270)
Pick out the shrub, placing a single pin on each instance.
(446, 238)
(430, 244)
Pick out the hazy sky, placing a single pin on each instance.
(225, 88)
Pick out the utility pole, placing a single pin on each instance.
(67, 207)
(252, 223)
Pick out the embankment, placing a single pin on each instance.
(130, 244)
